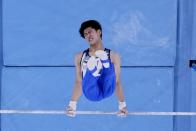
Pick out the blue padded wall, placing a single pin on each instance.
(1, 51)
(50, 89)
(193, 72)
(193, 100)
(46, 32)
(184, 76)
(154, 38)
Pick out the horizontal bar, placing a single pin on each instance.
(147, 66)
(56, 112)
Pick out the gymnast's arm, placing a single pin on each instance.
(77, 91)
(119, 90)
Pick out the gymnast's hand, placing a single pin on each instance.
(123, 112)
(71, 109)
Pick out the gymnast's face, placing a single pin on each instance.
(92, 36)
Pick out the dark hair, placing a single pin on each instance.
(89, 23)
